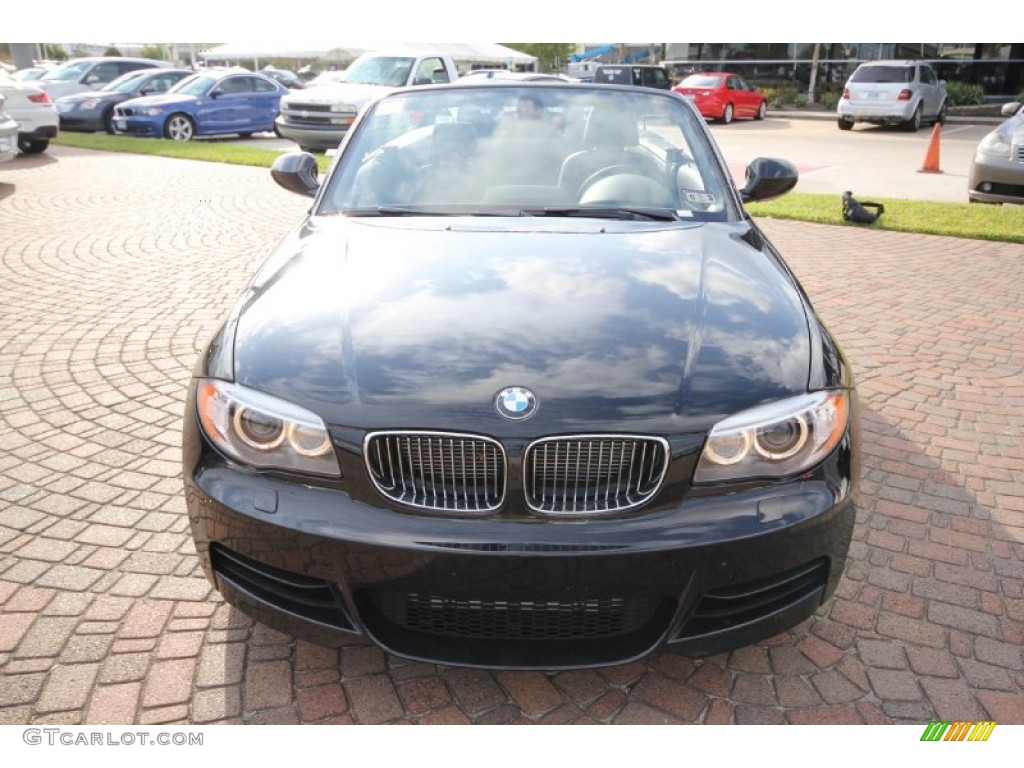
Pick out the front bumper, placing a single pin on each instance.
(314, 138)
(711, 574)
(139, 126)
(997, 179)
(77, 121)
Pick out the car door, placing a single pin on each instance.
(222, 109)
(930, 94)
(734, 94)
(264, 102)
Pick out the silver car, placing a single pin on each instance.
(904, 93)
(997, 170)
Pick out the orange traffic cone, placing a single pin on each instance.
(931, 157)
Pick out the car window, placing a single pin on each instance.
(431, 70)
(103, 73)
(381, 70)
(131, 66)
(657, 78)
(261, 85)
(233, 85)
(701, 81)
(70, 71)
(880, 73)
(161, 83)
(928, 75)
(479, 149)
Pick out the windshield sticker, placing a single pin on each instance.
(701, 198)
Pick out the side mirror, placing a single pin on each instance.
(768, 178)
(1011, 109)
(296, 172)
(216, 93)
(92, 79)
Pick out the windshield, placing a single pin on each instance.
(701, 81)
(883, 74)
(127, 83)
(380, 70)
(530, 150)
(194, 85)
(70, 71)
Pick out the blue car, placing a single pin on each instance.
(206, 104)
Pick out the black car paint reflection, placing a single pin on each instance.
(647, 327)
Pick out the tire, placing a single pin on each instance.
(914, 123)
(32, 146)
(108, 121)
(845, 125)
(727, 114)
(941, 117)
(179, 127)
(762, 111)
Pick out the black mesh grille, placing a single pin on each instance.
(515, 620)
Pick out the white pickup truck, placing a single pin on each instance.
(317, 118)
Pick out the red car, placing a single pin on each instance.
(723, 96)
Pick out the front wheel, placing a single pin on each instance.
(108, 121)
(179, 127)
(32, 146)
(727, 114)
(845, 125)
(762, 111)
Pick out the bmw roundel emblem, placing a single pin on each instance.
(516, 403)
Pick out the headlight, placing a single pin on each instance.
(775, 440)
(89, 103)
(264, 431)
(343, 108)
(995, 144)
(151, 111)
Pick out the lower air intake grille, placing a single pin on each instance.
(515, 620)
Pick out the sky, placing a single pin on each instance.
(524, 20)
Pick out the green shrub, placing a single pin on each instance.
(829, 100)
(771, 95)
(964, 94)
(800, 100)
(787, 95)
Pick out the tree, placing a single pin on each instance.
(153, 51)
(112, 51)
(53, 52)
(549, 55)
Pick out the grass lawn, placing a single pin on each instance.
(978, 222)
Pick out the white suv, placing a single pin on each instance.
(91, 73)
(901, 93)
(34, 112)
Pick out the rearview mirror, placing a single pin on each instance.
(768, 178)
(297, 172)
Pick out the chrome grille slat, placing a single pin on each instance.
(438, 471)
(581, 475)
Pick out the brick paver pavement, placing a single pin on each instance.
(117, 268)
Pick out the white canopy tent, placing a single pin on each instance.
(466, 55)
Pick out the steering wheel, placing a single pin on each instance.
(604, 173)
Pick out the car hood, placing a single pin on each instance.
(336, 93)
(418, 323)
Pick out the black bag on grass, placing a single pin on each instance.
(858, 212)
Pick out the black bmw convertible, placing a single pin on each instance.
(527, 388)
